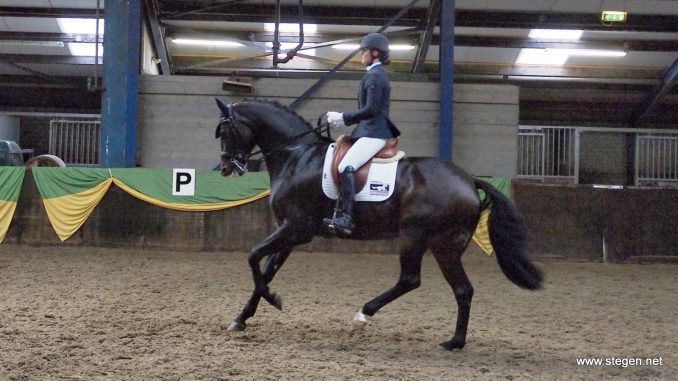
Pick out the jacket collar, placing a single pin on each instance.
(373, 65)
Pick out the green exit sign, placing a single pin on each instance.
(613, 16)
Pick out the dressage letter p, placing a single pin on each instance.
(183, 182)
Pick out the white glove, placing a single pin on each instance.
(335, 119)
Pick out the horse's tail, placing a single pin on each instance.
(508, 234)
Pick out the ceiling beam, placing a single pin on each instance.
(651, 101)
(49, 12)
(561, 20)
(48, 59)
(464, 71)
(556, 72)
(460, 40)
(412, 36)
(426, 36)
(522, 42)
(345, 15)
(39, 36)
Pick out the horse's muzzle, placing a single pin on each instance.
(233, 166)
(226, 171)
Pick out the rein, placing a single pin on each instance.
(317, 130)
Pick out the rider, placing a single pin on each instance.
(373, 130)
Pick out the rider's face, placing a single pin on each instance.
(365, 56)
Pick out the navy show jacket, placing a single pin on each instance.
(374, 100)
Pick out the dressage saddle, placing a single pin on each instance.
(387, 154)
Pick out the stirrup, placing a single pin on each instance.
(335, 226)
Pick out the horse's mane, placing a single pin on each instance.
(288, 110)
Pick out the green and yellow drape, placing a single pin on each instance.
(11, 179)
(482, 234)
(71, 194)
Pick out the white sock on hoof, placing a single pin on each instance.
(359, 321)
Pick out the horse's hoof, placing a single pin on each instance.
(451, 345)
(236, 327)
(277, 301)
(359, 322)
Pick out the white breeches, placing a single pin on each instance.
(361, 151)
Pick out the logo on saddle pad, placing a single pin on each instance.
(379, 174)
(379, 188)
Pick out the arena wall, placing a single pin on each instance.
(569, 222)
(177, 116)
(587, 223)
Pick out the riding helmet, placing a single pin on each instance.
(375, 41)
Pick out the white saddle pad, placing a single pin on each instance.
(380, 180)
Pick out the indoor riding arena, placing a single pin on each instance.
(153, 181)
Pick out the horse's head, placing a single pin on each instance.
(236, 138)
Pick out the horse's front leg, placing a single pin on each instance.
(288, 235)
(273, 264)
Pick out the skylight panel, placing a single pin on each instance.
(291, 28)
(81, 26)
(85, 49)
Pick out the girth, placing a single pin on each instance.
(387, 154)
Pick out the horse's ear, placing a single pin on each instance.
(223, 106)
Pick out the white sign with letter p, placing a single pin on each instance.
(183, 182)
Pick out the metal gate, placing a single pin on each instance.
(75, 140)
(548, 153)
(656, 159)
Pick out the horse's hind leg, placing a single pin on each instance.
(412, 249)
(273, 264)
(450, 264)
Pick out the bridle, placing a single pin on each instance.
(240, 160)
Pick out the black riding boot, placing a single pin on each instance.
(342, 220)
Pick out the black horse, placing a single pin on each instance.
(435, 206)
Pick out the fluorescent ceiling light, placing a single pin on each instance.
(592, 52)
(541, 57)
(560, 56)
(555, 34)
(356, 46)
(290, 28)
(81, 26)
(84, 49)
(220, 43)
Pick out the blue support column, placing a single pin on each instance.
(446, 63)
(122, 47)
